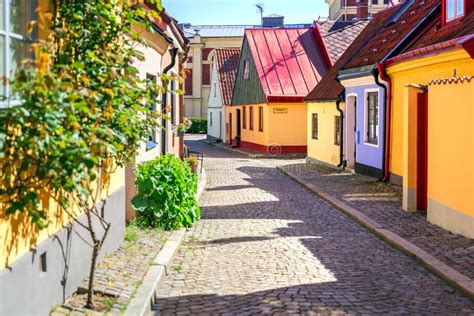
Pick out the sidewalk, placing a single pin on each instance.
(379, 207)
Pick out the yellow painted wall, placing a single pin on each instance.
(287, 129)
(284, 129)
(18, 235)
(323, 148)
(451, 145)
(419, 71)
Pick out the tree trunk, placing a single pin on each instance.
(90, 294)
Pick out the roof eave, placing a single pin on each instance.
(356, 72)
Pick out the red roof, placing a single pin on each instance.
(227, 63)
(436, 34)
(329, 88)
(394, 32)
(289, 62)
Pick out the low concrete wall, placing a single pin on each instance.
(26, 290)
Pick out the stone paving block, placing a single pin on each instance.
(267, 245)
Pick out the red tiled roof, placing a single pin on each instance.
(465, 42)
(329, 88)
(227, 63)
(289, 61)
(392, 34)
(339, 35)
(436, 34)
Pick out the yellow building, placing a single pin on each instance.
(46, 266)
(277, 69)
(432, 133)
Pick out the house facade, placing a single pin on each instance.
(204, 39)
(328, 111)
(432, 120)
(277, 69)
(224, 68)
(165, 52)
(48, 265)
(366, 92)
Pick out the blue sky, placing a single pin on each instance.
(244, 11)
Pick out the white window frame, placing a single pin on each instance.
(8, 35)
(455, 16)
(366, 113)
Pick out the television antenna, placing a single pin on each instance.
(260, 9)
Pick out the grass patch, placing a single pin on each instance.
(131, 233)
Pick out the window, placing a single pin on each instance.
(315, 126)
(215, 89)
(454, 9)
(152, 138)
(210, 118)
(173, 101)
(260, 119)
(246, 69)
(337, 130)
(14, 38)
(244, 117)
(372, 117)
(251, 118)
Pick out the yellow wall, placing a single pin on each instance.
(451, 145)
(419, 71)
(323, 148)
(284, 129)
(18, 235)
(287, 129)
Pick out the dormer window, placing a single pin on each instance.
(454, 10)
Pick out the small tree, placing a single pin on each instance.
(83, 112)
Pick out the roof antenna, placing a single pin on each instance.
(260, 9)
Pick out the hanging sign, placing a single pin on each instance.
(280, 110)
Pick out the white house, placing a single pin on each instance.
(224, 69)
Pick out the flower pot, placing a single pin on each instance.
(194, 168)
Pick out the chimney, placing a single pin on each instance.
(362, 9)
(273, 21)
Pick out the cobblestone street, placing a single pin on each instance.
(267, 245)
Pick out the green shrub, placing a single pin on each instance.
(166, 194)
(198, 126)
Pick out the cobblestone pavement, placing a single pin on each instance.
(119, 274)
(266, 245)
(383, 203)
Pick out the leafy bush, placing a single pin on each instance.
(198, 126)
(166, 194)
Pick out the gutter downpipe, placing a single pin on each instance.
(173, 52)
(380, 70)
(341, 123)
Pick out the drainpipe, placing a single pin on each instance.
(387, 120)
(173, 52)
(341, 123)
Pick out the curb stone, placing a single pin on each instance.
(142, 303)
(452, 277)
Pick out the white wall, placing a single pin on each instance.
(216, 126)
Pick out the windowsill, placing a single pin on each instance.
(371, 144)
